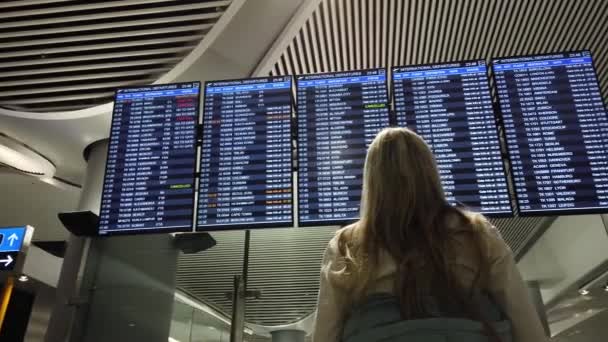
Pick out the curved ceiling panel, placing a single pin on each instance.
(21, 158)
(58, 55)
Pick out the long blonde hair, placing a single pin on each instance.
(405, 213)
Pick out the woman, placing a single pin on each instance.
(413, 246)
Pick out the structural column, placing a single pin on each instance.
(288, 336)
(134, 289)
(116, 288)
(72, 271)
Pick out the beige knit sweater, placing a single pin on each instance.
(505, 285)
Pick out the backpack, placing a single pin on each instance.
(379, 320)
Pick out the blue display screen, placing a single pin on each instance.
(339, 114)
(556, 128)
(246, 155)
(149, 180)
(450, 106)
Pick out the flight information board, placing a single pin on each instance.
(149, 179)
(449, 105)
(339, 114)
(557, 132)
(246, 157)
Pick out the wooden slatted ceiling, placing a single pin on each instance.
(358, 34)
(70, 55)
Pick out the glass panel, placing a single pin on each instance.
(181, 322)
(208, 276)
(284, 265)
(206, 329)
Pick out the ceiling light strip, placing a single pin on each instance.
(345, 11)
(115, 7)
(36, 51)
(111, 25)
(22, 3)
(101, 56)
(328, 42)
(75, 87)
(538, 29)
(88, 77)
(357, 34)
(388, 34)
(321, 56)
(116, 35)
(398, 29)
(309, 48)
(91, 67)
(431, 54)
(404, 30)
(54, 99)
(298, 54)
(370, 50)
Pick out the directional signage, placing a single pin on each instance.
(14, 241)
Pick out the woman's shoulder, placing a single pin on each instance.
(488, 234)
(343, 236)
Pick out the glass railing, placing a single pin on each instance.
(195, 321)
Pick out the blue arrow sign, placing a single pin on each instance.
(11, 239)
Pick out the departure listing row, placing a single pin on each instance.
(171, 169)
(557, 132)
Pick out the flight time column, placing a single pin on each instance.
(578, 190)
(314, 151)
(210, 159)
(412, 101)
(278, 204)
(487, 189)
(117, 168)
(523, 133)
(166, 160)
(177, 201)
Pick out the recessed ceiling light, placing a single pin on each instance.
(606, 288)
(583, 292)
(23, 278)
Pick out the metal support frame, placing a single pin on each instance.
(239, 296)
(537, 300)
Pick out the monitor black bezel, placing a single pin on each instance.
(545, 212)
(329, 223)
(152, 230)
(345, 221)
(511, 213)
(249, 225)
